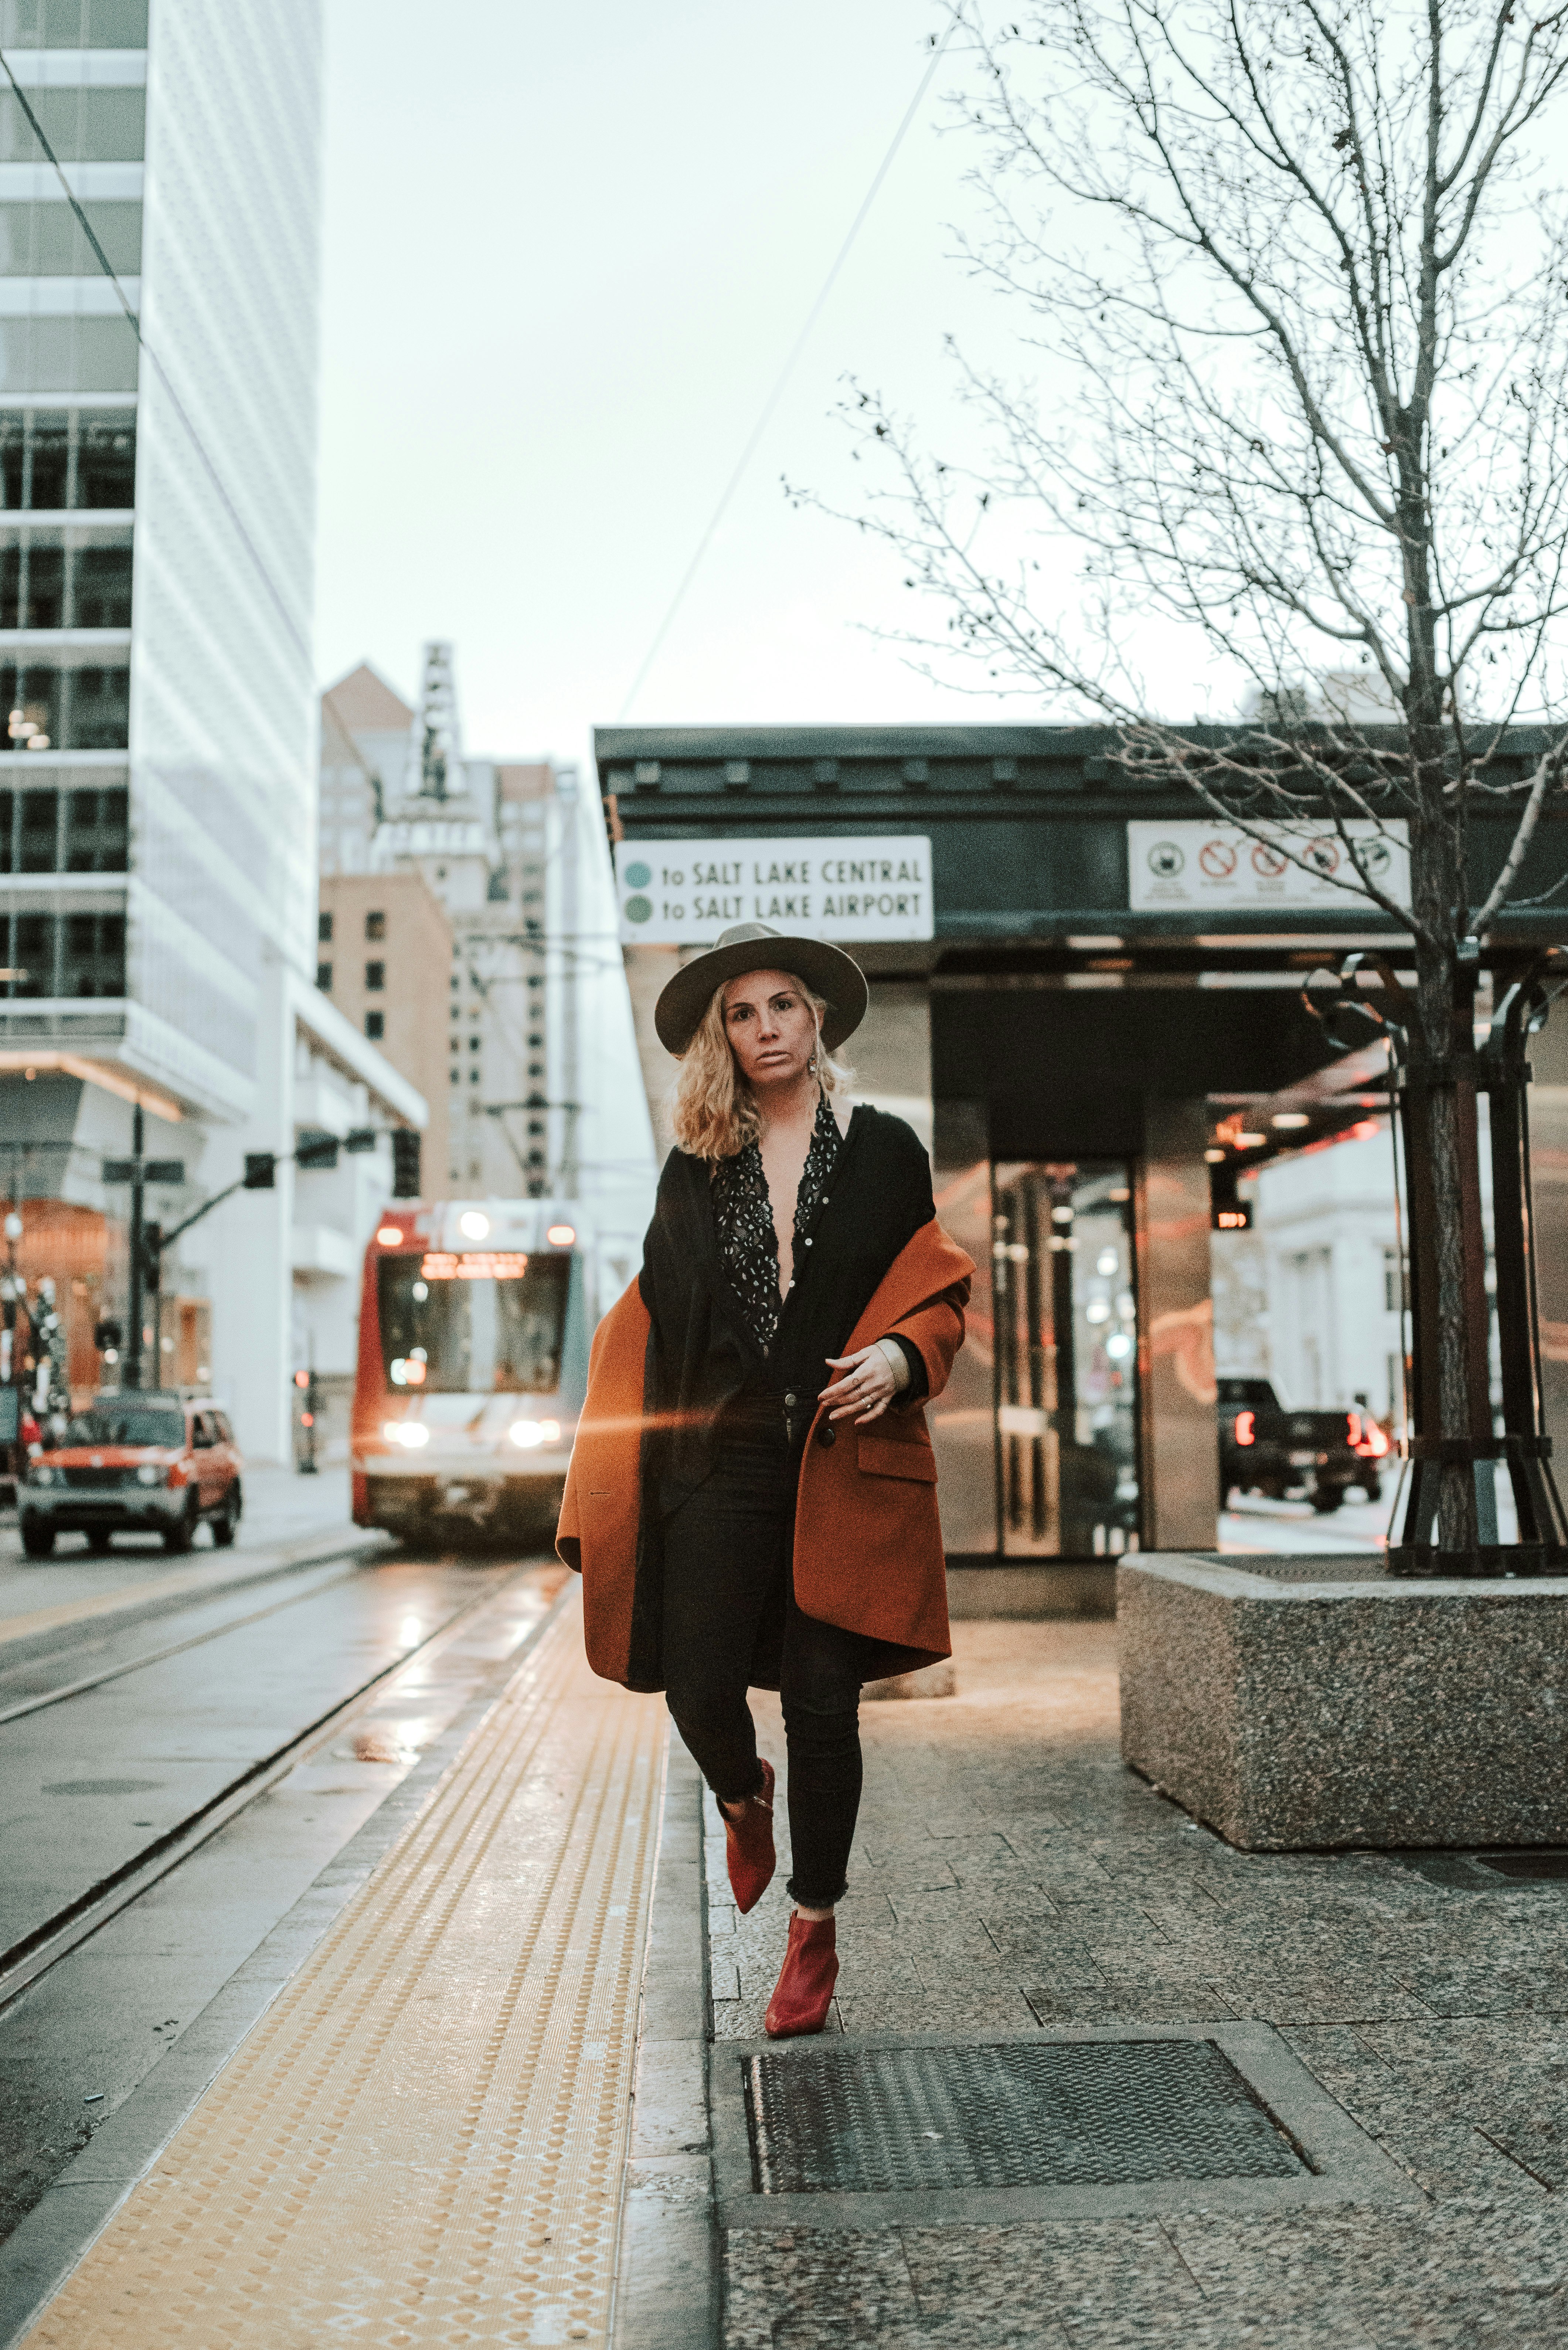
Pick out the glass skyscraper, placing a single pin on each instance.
(157, 750)
(155, 823)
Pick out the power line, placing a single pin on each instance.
(110, 271)
(777, 394)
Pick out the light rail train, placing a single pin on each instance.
(475, 1325)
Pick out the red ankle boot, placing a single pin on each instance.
(749, 1846)
(803, 1991)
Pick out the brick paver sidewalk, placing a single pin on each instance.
(1010, 1872)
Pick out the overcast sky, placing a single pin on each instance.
(566, 253)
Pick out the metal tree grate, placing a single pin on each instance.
(1057, 2114)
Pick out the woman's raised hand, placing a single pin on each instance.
(864, 1388)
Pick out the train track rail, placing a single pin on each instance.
(71, 1925)
(89, 1681)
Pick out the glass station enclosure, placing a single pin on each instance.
(1066, 1360)
(1037, 1433)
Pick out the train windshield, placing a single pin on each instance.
(449, 1328)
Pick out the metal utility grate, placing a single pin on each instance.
(1055, 2114)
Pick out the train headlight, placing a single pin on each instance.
(410, 1432)
(561, 1235)
(527, 1433)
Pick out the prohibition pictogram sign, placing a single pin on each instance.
(1218, 859)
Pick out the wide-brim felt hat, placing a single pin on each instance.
(827, 971)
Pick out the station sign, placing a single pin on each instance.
(866, 887)
(1209, 866)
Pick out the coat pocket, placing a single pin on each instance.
(892, 1456)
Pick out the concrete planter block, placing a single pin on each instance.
(1300, 1705)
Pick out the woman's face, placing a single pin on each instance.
(770, 1027)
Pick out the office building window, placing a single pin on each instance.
(324, 929)
(62, 954)
(73, 24)
(92, 954)
(53, 353)
(54, 587)
(46, 240)
(98, 831)
(457, 1076)
(83, 123)
(375, 926)
(49, 831)
(61, 461)
(473, 1076)
(375, 1026)
(324, 977)
(473, 1044)
(62, 708)
(375, 977)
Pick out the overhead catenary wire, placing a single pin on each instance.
(782, 380)
(133, 319)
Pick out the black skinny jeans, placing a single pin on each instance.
(727, 1554)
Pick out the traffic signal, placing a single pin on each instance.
(360, 1138)
(107, 1334)
(306, 1382)
(318, 1150)
(405, 1163)
(261, 1170)
(151, 1255)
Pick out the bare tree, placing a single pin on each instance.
(1313, 293)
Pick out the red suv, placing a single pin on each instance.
(134, 1464)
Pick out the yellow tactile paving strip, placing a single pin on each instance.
(422, 2141)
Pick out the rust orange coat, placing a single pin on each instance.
(867, 1540)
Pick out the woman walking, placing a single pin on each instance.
(751, 1497)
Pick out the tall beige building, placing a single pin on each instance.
(497, 843)
(384, 957)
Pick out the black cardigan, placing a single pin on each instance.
(702, 1352)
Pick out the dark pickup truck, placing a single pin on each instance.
(1263, 1449)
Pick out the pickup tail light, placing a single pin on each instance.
(1246, 1428)
(1368, 1440)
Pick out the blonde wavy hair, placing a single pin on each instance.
(715, 1112)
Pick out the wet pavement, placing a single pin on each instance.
(90, 1785)
(1010, 1876)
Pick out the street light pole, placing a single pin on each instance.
(130, 1372)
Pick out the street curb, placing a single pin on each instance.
(40, 2253)
(667, 2286)
(318, 1550)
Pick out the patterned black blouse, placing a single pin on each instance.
(743, 1215)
